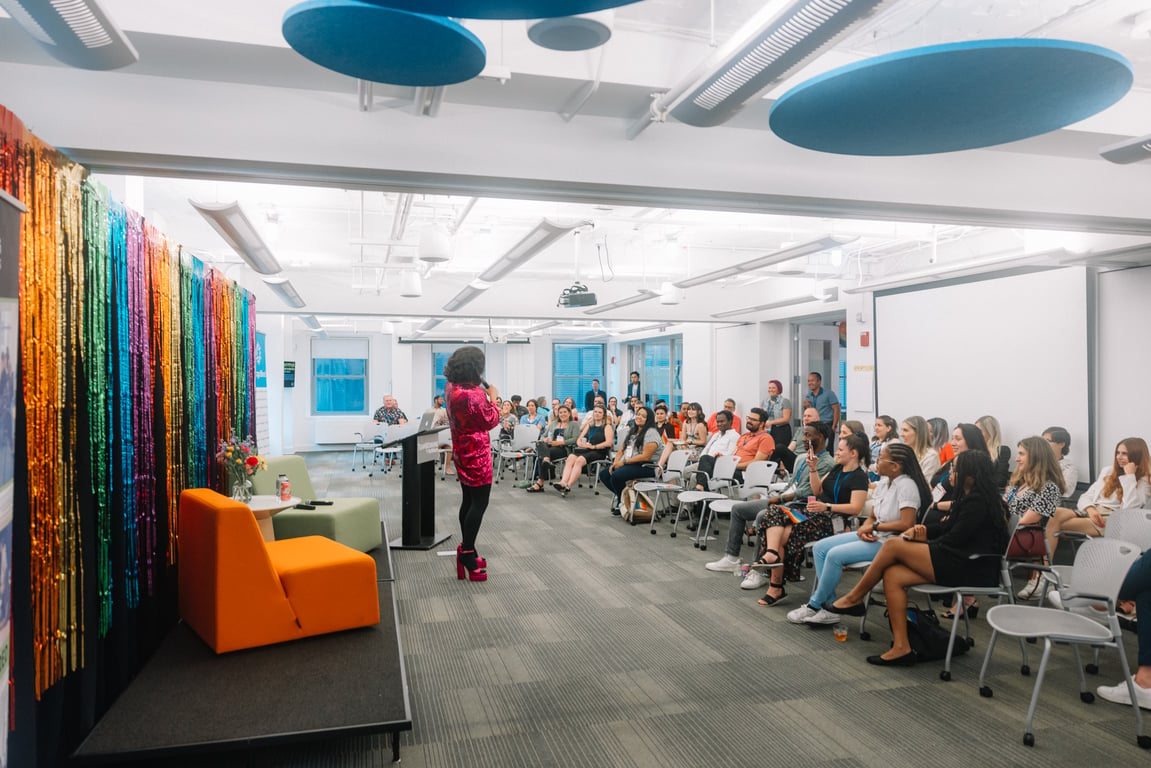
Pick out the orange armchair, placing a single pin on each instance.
(238, 591)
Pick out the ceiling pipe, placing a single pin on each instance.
(399, 221)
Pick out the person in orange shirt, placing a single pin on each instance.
(755, 444)
(729, 406)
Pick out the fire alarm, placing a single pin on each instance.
(865, 338)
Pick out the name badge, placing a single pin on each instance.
(938, 493)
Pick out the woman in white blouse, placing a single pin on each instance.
(1123, 485)
(915, 432)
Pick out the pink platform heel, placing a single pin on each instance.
(467, 565)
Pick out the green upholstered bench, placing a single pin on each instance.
(354, 522)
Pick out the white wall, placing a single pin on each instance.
(860, 360)
(1123, 365)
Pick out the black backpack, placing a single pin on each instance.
(927, 638)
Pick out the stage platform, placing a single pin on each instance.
(189, 700)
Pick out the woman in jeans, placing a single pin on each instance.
(472, 415)
(633, 460)
(900, 496)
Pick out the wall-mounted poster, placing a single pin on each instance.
(10, 210)
(261, 362)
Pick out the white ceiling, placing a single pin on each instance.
(219, 104)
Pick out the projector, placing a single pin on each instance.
(576, 296)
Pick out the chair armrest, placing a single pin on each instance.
(1071, 535)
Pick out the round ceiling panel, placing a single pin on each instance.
(504, 9)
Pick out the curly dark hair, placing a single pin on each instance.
(465, 366)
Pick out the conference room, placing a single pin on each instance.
(574, 215)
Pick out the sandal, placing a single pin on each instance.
(535, 489)
(762, 565)
(767, 599)
(971, 609)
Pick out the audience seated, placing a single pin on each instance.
(900, 497)
(555, 443)
(1000, 454)
(1034, 491)
(390, 413)
(1124, 485)
(508, 421)
(937, 552)
(843, 492)
(852, 427)
(692, 433)
(1060, 441)
(613, 411)
(534, 416)
(593, 444)
(941, 439)
(1137, 587)
(915, 432)
(886, 431)
(663, 425)
(721, 443)
(635, 458)
(964, 437)
(729, 406)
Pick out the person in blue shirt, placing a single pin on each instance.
(822, 400)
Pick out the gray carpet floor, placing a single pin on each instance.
(594, 643)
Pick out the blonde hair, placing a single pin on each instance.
(989, 426)
(1042, 467)
(922, 432)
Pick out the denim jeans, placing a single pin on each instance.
(741, 515)
(1137, 587)
(619, 478)
(831, 554)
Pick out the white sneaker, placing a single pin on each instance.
(753, 580)
(1055, 599)
(801, 614)
(824, 617)
(1029, 589)
(726, 564)
(1119, 695)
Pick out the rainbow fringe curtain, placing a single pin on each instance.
(137, 360)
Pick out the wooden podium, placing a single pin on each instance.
(418, 487)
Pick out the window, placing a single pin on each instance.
(339, 376)
(573, 368)
(660, 362)
(440, 355)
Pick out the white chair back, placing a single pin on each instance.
(759, 474)
(725, 468)
(676, 463)
(1101, 565)
(1130, 525)
(524, 436)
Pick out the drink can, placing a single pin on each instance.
(285, 489)
(744, 570)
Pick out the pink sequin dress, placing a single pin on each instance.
(471, 417)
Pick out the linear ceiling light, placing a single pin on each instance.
(1130, 151)
(768, 48)
(229, 220)
(311, 322)
(469, 292)
(787, 254)
(645, 328)
(544, 234)
(831, 295)
(644, 294)
(537, 327)
(77, 32)
(429, 324)
(286, 291)
(911, 278)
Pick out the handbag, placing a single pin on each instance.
(1028, 543)
(927, 638)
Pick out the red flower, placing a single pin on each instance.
(252, 462)
(245, 449)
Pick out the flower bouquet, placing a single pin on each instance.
(240, 462)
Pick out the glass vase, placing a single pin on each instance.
(242, 489)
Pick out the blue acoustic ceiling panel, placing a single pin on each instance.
(504, 9)
(944, 98)
(383, 45)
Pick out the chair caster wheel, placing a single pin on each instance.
(1029, 739)
(672, 534)
(1087, 697)
(1144, 742)
(702, 547)
(695, 544)
(652, 532)
(986, 692)
(1092, 669)
(597, 493)
(971, 642)
(1025, 670)
(1032, 640)
(864, 635)
(945, 676)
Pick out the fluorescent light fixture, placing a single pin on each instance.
(536, 241)
(772, 45)
(286, 291)
(644, 294)
(1130, 151)
(923, 275)
(646, 328)
(428, 325)
(470, 291)
(229, 220)
(831, 295)
(780, 256)
(537, 327)
(77, 32)
(311, 322)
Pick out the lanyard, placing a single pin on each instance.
(838, 480)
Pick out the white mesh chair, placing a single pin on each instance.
(366, 441)
(668, 483)
(757, 478)
(521, 448)
(1100, 567)
(722, 479)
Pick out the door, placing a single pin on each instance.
(819, 352)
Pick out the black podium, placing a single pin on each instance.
(418, 519)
